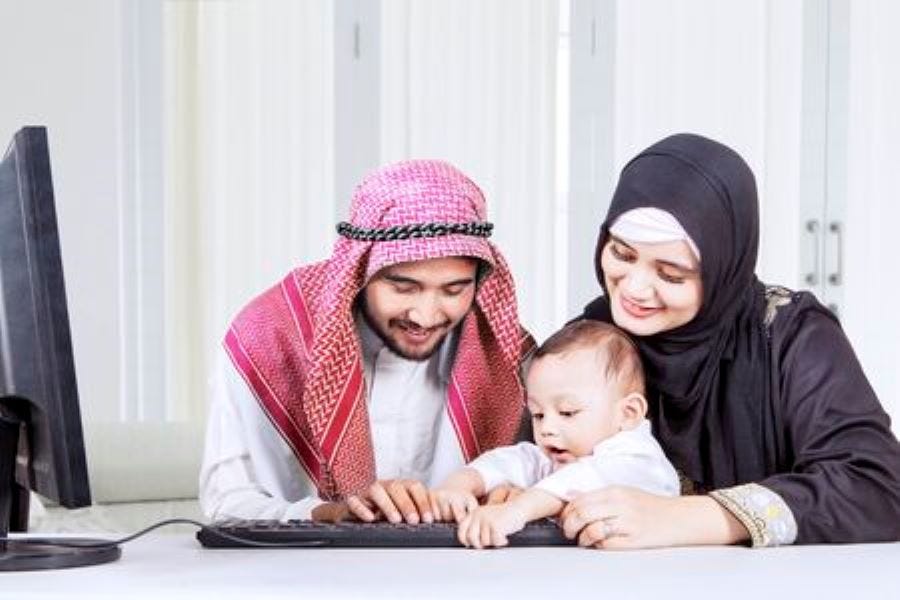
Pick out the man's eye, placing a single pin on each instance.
(455, 290)
(404, 288)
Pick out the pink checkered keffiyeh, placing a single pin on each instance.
(297, 348)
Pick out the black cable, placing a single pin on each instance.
(101, 544)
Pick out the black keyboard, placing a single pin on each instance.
(353, 534)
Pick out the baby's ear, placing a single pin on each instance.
(634, 409)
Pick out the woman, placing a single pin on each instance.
(755, 392)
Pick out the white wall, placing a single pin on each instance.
(66, 73)
(92, 77)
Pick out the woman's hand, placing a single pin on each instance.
(622, 517)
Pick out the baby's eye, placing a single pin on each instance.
(537, 416)
(568, 413)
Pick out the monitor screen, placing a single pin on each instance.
(41, 444)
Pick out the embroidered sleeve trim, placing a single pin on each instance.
(763, 512)
(776, 296)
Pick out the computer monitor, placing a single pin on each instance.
(41, 444)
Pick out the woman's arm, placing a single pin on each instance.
(841, 471)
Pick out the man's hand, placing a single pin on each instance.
(397, 500)
(490, 525)
(451, 504)
(332, 512)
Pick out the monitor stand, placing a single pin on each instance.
(32, 555)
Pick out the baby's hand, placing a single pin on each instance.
(449, 504)
(489, 525)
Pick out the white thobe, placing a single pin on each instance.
(249, 472)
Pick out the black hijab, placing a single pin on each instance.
(708, 385)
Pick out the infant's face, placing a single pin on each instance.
(573, 406)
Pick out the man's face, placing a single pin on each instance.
(412, 306)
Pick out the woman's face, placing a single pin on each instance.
(652, 287)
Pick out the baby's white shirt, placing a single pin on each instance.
(630, 458)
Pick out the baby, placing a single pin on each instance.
(586, 397)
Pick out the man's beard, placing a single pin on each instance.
(394, 347)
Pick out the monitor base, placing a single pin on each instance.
(32, 555)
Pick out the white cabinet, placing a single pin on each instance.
(848, 207)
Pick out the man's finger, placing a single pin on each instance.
(435, 507)
(443, 509)
(358, 508)
(420, 497)
(403, 501)
(379, 496)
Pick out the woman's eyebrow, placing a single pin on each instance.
(620, 241)
(681, 267)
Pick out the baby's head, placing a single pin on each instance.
(585, 384)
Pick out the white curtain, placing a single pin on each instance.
(474, 83)
(251, 159)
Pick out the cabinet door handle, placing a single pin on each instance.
(837, 277)
(812, 277)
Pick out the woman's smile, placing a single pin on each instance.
(638, 310)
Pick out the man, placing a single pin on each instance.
(357, 381)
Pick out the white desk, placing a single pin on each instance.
(175, 566)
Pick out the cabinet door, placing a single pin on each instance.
(866, 257)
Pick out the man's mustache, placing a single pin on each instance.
(413, 326)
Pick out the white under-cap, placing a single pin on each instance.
(651, 226)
